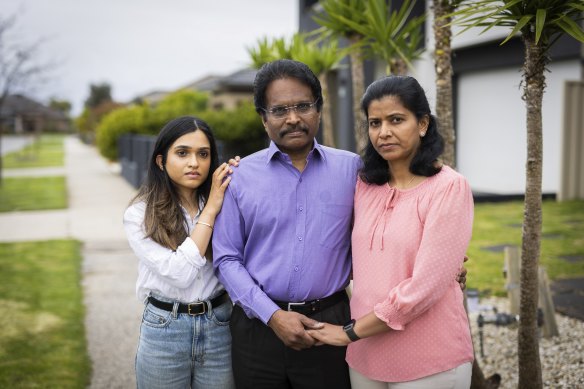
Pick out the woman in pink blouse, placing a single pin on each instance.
(413, 224)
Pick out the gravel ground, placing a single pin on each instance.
(562, 357)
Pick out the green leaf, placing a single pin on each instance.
(522, 22)
(571, 28)
(539, 23)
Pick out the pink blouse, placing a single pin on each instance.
(408, 246)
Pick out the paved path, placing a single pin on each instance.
(97, 199)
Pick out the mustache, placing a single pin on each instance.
(288, 130)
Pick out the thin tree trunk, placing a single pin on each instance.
(358, 83)
(399, 67)
(328, 135)
(443, 67)
(528, 343)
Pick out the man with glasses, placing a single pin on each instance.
(281, 244)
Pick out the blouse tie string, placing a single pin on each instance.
(390, 202)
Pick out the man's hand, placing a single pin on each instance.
(291, 327)
(461, 277)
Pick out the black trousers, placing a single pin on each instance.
(260, 359)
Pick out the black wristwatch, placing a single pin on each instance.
(348, 328)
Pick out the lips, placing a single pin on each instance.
(387, 146)
(193, 175)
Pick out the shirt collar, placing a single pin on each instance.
(273, 150)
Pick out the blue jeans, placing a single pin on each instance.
(182, 351)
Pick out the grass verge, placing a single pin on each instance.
(499, 224)
(43, 336)
(47, 151)
(33, 193)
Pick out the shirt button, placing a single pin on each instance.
(296, 268)
(300, 238)
(300, 179)
(301, 209)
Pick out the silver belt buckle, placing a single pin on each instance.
(198, 304)
(292, 304)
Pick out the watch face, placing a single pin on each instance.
(349, 325)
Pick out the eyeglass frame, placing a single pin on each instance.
(289, 108)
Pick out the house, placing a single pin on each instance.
(20, 114)
(229, 91)
(489, 113)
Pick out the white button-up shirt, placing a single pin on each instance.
(184, 275)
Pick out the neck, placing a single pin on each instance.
(298, 157)
(188, 199)
(401, 177)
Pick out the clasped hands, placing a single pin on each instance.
(300, 332)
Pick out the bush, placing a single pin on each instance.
(131, 120)
(241, 130)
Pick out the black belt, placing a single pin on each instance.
(314, 306)
(193, 309)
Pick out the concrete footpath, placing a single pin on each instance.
(98, 196)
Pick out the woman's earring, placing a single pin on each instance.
(422, 134)
(161, 168)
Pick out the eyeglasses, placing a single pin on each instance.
(281, 111)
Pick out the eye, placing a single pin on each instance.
(374, 123)
(204, 154)
(181, 153)
(397, 119)
(303, 107)
(279, 111)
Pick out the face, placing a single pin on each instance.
(188, 161)
(294, 134)
(394, 130)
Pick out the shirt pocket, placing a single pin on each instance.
(335, 225)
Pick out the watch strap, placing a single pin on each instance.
(349, 330)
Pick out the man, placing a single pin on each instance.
(282, 241)
(281, 244)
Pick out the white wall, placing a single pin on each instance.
(491, 142)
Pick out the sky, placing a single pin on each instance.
(139, 46)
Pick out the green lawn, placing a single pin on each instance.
(47, 151)
(500, 224)
(43, 336)
(33, 193)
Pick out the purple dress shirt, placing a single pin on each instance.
(283, 234)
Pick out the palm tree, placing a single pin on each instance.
(373, 29)
(540, 23)
(443, 67)
(336, 13)
(321, 59)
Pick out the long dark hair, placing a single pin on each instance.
(164, 221)
(411, 95)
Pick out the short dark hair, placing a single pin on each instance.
(412, 96)
(280, 69)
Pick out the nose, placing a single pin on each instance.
(193, 162)
(385, 130)
(292, 116)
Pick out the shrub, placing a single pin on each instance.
(131, 120)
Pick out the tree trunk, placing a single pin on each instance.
(328, 136)
(528, 344)
(443, 67)
(399, 67)
(358, 83)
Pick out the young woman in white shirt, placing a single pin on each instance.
(184, 335)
